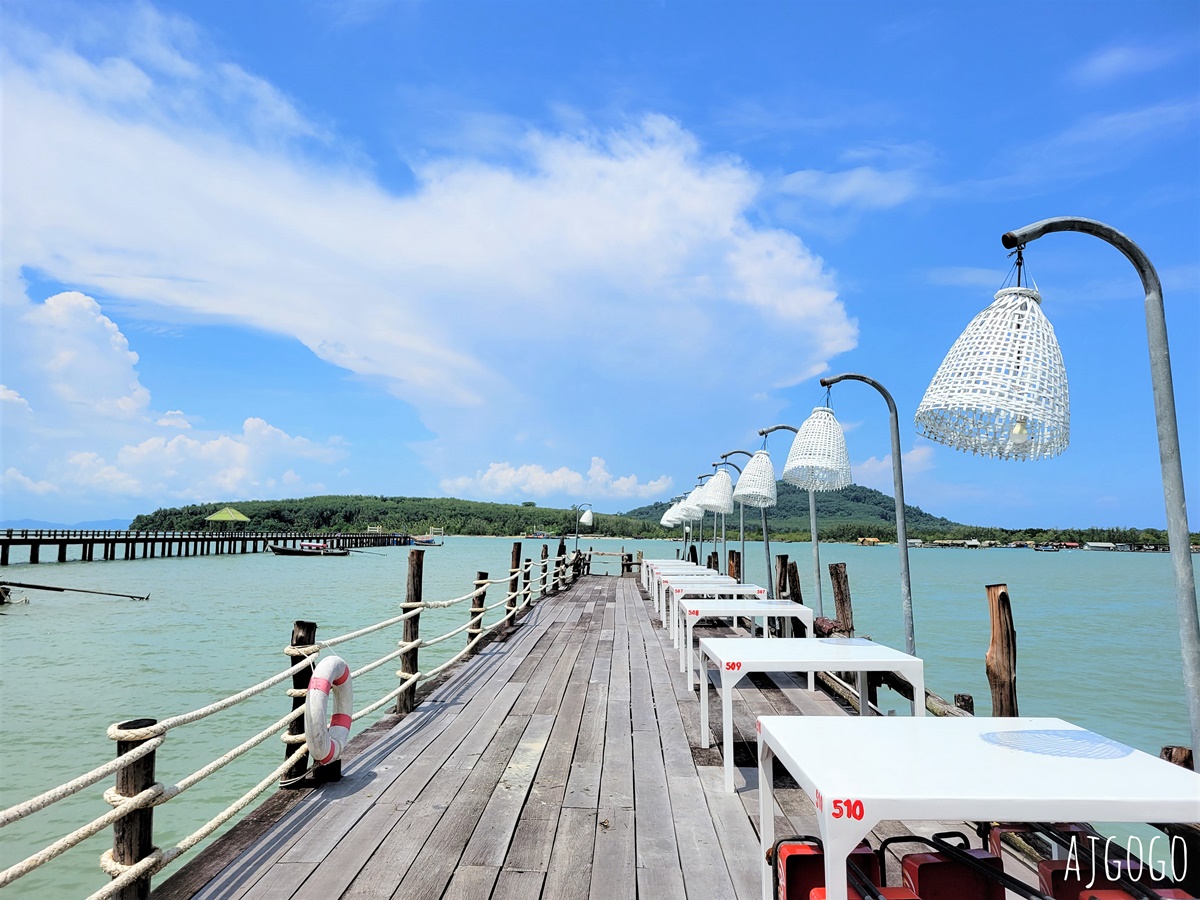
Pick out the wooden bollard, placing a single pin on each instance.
(965, 702)
(133, 835)
(545, 569)
(693, 555)
(781, 561)
(304, 634)
(407, 701)
(795, 594)
(560, 582)
(476, 626)
(1001, 659)
(1179, 756)
(841, 598)
(526, 578)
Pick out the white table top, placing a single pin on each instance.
(859, 772)
(1021, 769)
(826, 653)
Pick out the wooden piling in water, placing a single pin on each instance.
(545, 569)
(1001, 659)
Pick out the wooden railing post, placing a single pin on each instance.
(514, 580)
(304, 634)
(545, 570)
(476, 627)
(409, 663)
(133, 835)
(781, 561)
(1001, 659)
(526, 588)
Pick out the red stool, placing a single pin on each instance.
(801, 867)
(937, 877)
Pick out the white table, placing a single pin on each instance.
(675, 586)
(737, 657)
(648, 565)
(658, 576)
(859, 772)
(692, 611)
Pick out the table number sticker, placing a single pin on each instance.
(849, 809)
(733, 667)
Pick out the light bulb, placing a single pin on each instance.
(1020, 431)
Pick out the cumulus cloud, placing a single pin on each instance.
(8, 395)
(15, 480)
(504, 479)
(204, 193)
(174, 418)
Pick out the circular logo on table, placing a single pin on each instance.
(1066, 742)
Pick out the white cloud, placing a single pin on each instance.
(1116, 63)
(174, 418)
(15, 480)
(203, 193)
(876, 473)
(864, 187)
(505, 480)
(8, 395)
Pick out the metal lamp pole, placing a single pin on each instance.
(1168, 440)
(742, 509)
(812, 525)
(703, 516)
(910, 640)
(579, 509)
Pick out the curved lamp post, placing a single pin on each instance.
(1168, 436)
(756, 486)
(812, 523)
(910, 639)
(586, 519)
(718, 497)
(700, 496)
(741, 510)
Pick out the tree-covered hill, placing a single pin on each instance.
(845, 515)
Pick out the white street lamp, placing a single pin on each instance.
(756, 487)
(937, 420)
(586, 520)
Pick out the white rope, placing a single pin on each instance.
(41, 801)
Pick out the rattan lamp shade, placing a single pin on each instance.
(586, 519)
(690, 507)
(1002, 389)
(756, 485)
(718, 493)
(668, 520)
(818, 460)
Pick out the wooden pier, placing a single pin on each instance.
(563, 761)
(149, 544)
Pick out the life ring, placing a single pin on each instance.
(326, 742)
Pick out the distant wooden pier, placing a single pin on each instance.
(562, 762)
(112, 545)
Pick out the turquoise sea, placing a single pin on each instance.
(1097, 644)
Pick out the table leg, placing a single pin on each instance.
(812, 680)
(685, 654)
(864, 703)
(917, 677)
(704, 698)
(766, 812)
(727, 727)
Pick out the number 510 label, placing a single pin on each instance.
(850, 809)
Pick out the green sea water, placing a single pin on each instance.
(1097, 643)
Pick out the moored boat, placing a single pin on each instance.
(308, 548)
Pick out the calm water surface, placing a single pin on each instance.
(1097, 641)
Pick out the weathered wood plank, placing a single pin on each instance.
(704, 871)
(346, 859)
(514, 884)
(739, 840)
(471, 882)
(661, 884)
(655, 828)
(613, 870)
(493, 833)
(435, 863)
(570, 874)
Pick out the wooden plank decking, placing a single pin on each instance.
(562, 762)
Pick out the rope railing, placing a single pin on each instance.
(524, 584)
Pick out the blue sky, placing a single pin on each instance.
(572, 252)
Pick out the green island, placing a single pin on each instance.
(848, 515)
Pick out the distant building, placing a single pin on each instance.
(916, 542)
(1099, 545)
(868, 541)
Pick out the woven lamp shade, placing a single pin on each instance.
(718, 493)
(1001, 391)
(668, 520)
(756, 484)
(586, 519)
(690, 507)
(818, 460)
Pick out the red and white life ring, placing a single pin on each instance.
(327, 741)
